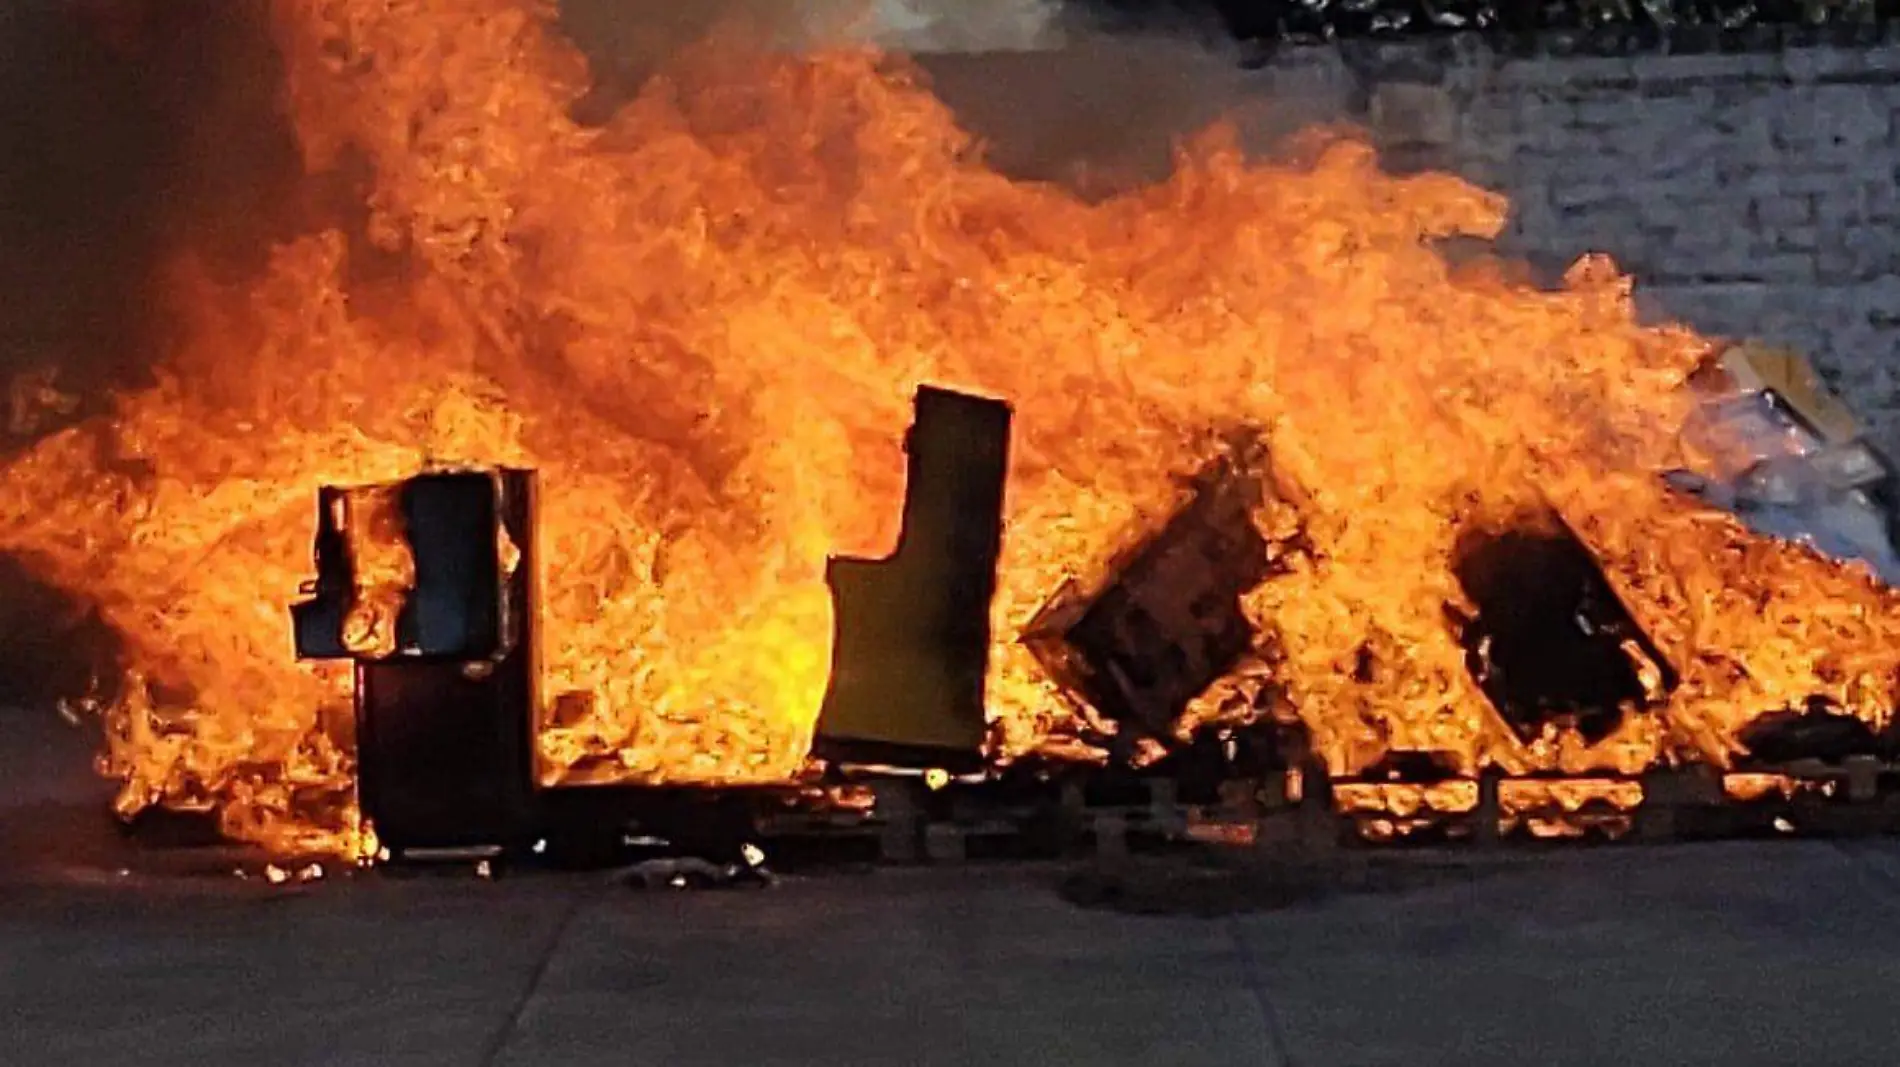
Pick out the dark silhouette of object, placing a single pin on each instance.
(445, 721)
(1168, 621)
(1551, 642)
(1412, 766)
(1817, 730)
(913, 630)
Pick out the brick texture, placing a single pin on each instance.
(1750, 193)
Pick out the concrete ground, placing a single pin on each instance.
(1764, 953)
(1750, 953)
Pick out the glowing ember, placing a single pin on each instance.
(1552, 809)
(1569, 796)
(703, 325)
(1749, 787)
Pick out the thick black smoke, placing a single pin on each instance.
(131, 129)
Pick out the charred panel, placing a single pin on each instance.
(913, 630)
(453, 608)
(317, 621)
(1168, 621)
(1551, 642)
(445, 754)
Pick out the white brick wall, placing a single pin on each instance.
(1750, 194)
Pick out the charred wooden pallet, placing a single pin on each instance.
(1163, 621)
(906, 821)
(1855, 796)
(890, 819)
(1303, 812)
(911, 822)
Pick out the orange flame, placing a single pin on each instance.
(383, 566)
(703, 323)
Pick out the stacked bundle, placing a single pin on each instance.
(1791, 460)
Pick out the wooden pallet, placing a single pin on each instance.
(1855, 796)
(910, 823)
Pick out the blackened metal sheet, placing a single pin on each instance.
(913, 630)
(454, 610)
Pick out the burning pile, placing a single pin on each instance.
(703, 323)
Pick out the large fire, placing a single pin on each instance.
(703, 323)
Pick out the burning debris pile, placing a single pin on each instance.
(702, 325)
